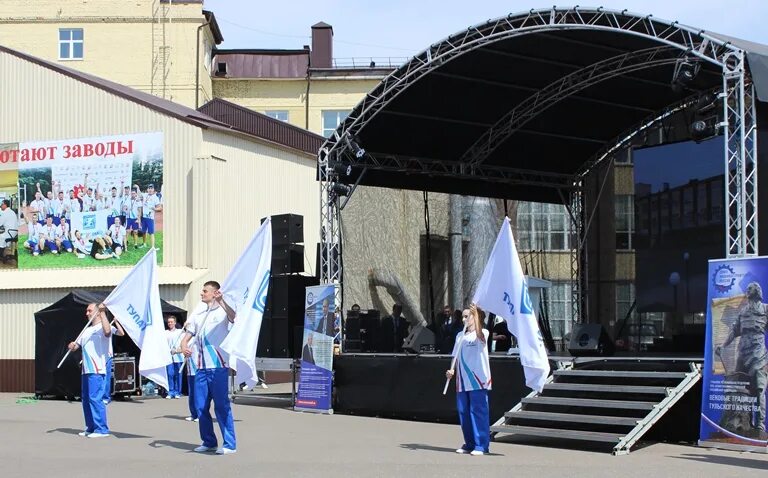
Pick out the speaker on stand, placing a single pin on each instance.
(283, 322)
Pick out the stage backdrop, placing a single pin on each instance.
(74, 166)
(316, 378)
(735, 357)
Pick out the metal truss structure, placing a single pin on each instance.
(738, 127)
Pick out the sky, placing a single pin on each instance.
(402, 28)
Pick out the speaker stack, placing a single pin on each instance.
(283, 324)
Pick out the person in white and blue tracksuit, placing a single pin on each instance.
(174, 335)
(191, 371)
(94, 342)
(473, 382)
(209, 327)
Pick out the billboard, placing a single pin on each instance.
(320, 324)
(87, 202)
(733, 408)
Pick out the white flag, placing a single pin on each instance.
(503, 290)
(245, 290)
(90, 223)
(135, 302)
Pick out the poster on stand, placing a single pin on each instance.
(316, 380)
(733, 407)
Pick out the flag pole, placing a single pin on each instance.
(453, 360)
(79, 335)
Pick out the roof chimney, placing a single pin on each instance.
(322, 46)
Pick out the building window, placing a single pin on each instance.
(560, 308)
(625, 221)
(543, 227)
(280, 115)
(71, 44)
(625, 296)
(332, 119)
(207, 52)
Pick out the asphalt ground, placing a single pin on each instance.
(151, 438)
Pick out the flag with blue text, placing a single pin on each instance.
(503, 290)
(135, 303)
(245, 291)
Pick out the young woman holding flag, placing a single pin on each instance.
(473, 381)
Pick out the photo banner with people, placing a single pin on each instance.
(733, 408)
(320, 319)
(85, 202)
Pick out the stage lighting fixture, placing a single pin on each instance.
(341, 189)
(702, 129)
(356, 149)
(706, 102)
(342, 169)
(686, 70)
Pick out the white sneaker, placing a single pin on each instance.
(84, 434)
(189, 419)
(476, 453)
(462, 451)
(203, 449)
(98, 435)
(225, 451)
(168, 397)
(196, 420)
(263, 385)
(107, 402)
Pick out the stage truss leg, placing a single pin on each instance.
(740, 130)
(330, 232)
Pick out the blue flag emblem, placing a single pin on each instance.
(89, 221)
(526, 306)
(260, 302)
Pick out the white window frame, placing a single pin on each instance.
(71, 42)
(562, 297)
(275, 114)
(328, 129)
(541, 218)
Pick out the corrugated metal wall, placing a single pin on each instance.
(263, 181)
(213, 194)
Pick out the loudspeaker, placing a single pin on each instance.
(287, 259)
(283, 314)
(286, 294)
(287, 229)
(275, 338)
(590, 339)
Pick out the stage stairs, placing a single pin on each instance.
(613, 402)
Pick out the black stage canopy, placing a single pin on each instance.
(597, 74)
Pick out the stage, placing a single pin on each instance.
(410, 387)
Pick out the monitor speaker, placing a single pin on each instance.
(590, 339)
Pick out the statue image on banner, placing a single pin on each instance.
(749, 372)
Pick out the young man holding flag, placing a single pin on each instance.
(208, 327)
(94, 341)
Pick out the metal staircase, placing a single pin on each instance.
(601, 401)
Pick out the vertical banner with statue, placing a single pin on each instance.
(733, 408)
(85, 202)
(320, 324)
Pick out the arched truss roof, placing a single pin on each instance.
(519, 106)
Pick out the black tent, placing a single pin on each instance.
(56, 326)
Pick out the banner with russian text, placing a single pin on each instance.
(64, 185)
(316, 380)
(733, 408)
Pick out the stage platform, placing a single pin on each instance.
(410, 387)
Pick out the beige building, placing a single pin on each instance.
(162, 47)
(209, 168)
